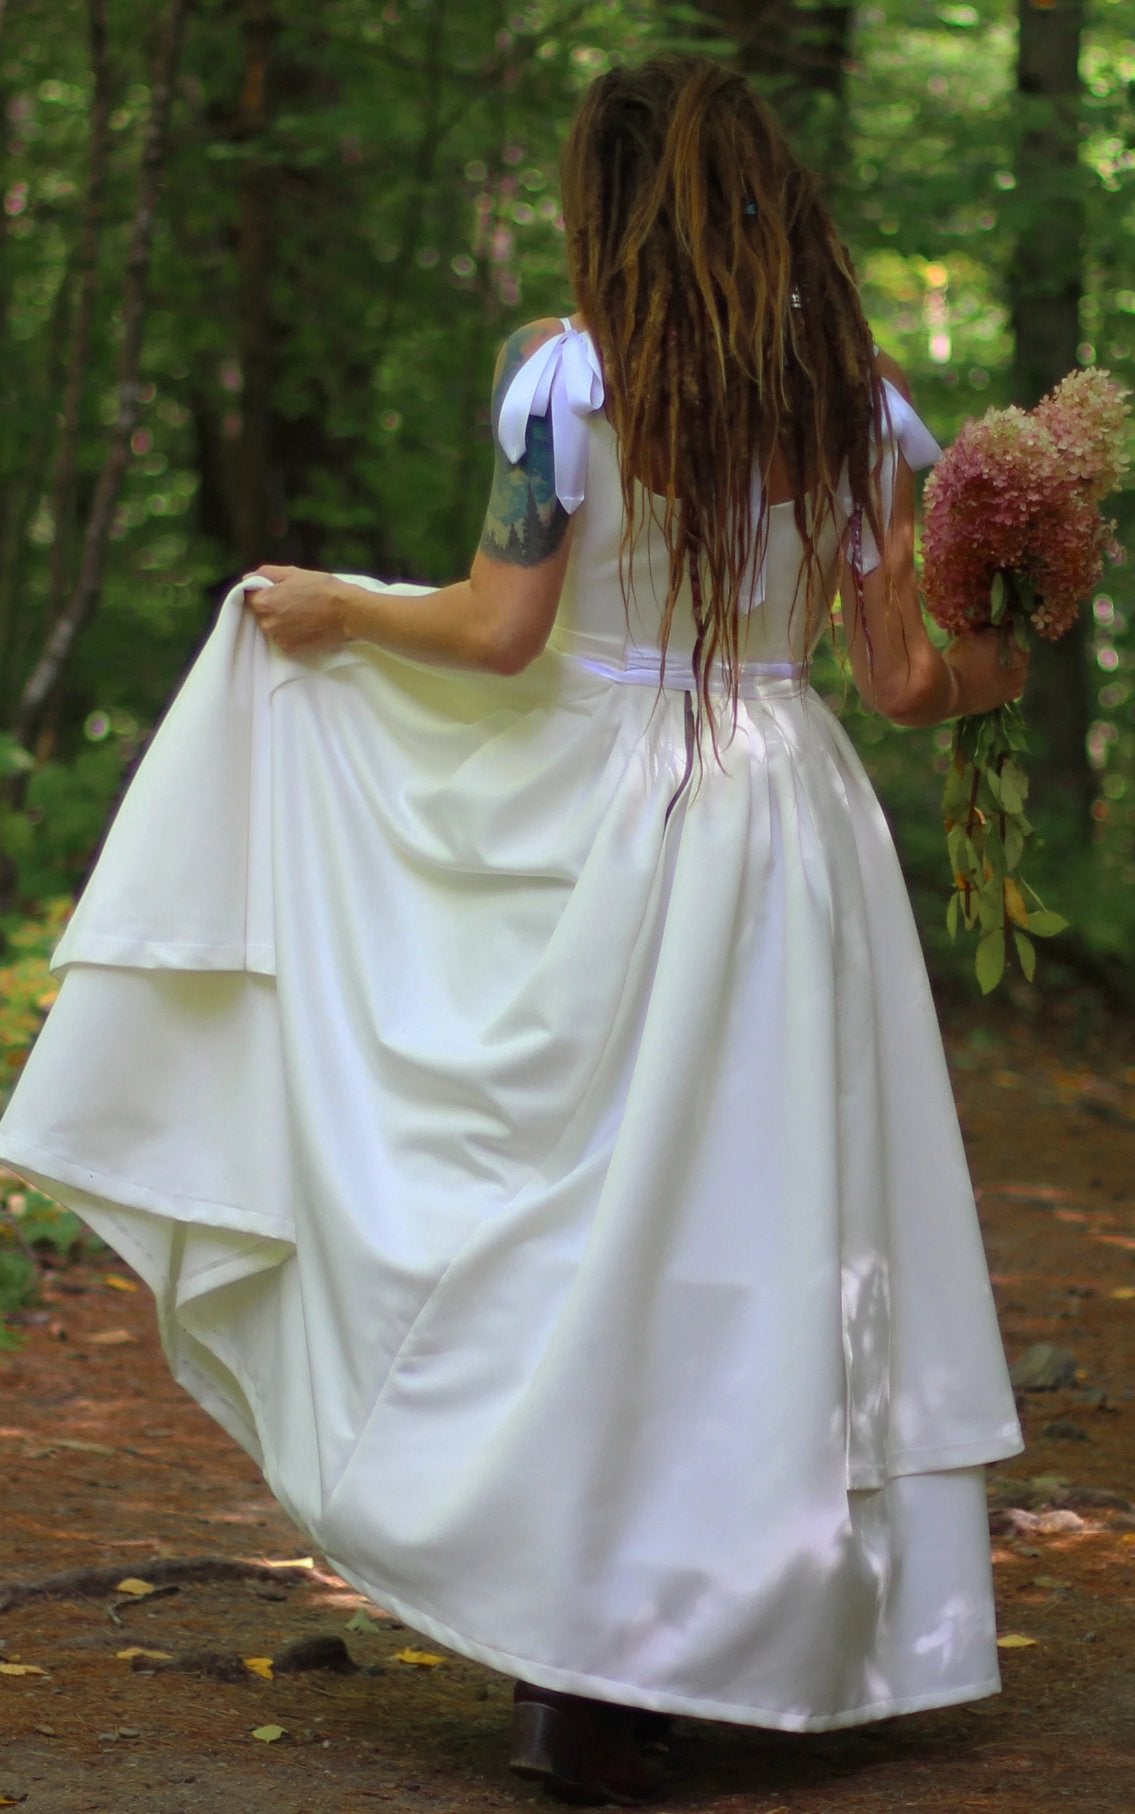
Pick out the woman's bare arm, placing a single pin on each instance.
(897, 669)
(499, 619)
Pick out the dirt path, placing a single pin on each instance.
(106, 1462)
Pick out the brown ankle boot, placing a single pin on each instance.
(583, 1751)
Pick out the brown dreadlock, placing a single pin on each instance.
(729, 327)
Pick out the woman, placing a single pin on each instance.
(526, 1100)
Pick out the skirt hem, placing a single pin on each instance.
(627, 1694)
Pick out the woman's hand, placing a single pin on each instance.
(301, 611)
(989, 669)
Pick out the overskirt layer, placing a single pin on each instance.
(563, 1201)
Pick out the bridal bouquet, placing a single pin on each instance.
(1013, 534)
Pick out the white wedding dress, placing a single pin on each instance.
(558, 1191)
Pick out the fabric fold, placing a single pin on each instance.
(555, 1187)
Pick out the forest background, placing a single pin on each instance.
(255, 260)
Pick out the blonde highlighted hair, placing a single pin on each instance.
(730, 330)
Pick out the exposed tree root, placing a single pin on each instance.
(91, 1583)
(319, 1652)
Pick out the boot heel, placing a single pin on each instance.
(542, 1744)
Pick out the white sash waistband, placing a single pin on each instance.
(645, 671)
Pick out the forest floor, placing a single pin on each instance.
(106, 1464)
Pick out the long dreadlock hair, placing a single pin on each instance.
(730, 330)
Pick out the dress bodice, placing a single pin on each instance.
(563, 378)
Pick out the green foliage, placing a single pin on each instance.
(50, 838)
(404, 170)
(49, 1229)
(27, 988)
(35, 1233)
(19, 1280)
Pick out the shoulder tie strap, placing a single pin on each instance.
(563, 374)
(906, 428)
(901, 430)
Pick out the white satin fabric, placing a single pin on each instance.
(553, 1184)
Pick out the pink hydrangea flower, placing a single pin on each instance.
(1016, 495)
(1086, 418)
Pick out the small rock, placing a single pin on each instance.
(1063, 1431)
(1044, 1368)
(1078, 1497)
(1015, 1521)
(318, 1652)
(1099, 1401)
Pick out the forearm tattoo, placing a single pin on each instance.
(525, 521)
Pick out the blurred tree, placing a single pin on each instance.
(1046, 285)
(67, 619)
(796, 53)
(360, 200)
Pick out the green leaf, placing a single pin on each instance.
(952, 915)
(991, 904)
(989, 961)
(998, 598)
(1026, 951)
(992, 781)
(1045, 924)
(994, 849)
(1014, 842)
(1014, 787)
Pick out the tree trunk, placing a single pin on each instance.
(83, 601)
(795, 52)
(1045, 288)
(255, 258)
(79, 350)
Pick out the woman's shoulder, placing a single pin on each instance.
(520, 346)
(892, 373)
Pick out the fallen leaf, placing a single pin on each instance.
(132, 1585)
(21, 1669)
(116, 1280)
(1123, 1291)
(111, 1338)
(259, 1666)
(421, 1659)
(1013, 1641)
(362, 1621)
(269, 1733)
(138, 1650)
(299, 1562)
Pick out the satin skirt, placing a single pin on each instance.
(545, 1165)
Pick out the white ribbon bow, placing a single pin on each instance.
(564, 375)
(909, 430)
